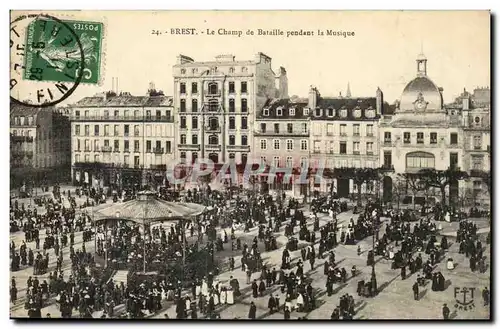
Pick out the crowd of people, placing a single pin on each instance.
(184, 257)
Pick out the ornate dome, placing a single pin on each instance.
(421, 94)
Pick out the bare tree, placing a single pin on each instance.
(441, 179)
(414, 183)
(400, 189)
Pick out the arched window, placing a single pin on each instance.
(420, 160)
(212, 88)
(213, 140)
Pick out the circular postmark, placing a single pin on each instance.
(46, 60)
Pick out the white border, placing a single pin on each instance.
(199, 4)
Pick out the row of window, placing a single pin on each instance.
(214, 70)
(319, 112)
(356, 129)
(116, 114)
(213, 140)
(231, 109)
(213, 123)
(213, 88)
(232, 156)
(149, 130)
(419, 160)
(23, 121)
(289, 128)
(126, 146)
(97, 158)
(289, 144)
(420, 138)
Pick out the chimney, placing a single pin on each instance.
(380, 100)
(313, 97)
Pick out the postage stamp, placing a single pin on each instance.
(55, 53)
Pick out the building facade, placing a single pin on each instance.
(421, 133)
(215, 105)
(39, 145)
(475, 110)
(281, 140)
(344, 134)
(122, 140)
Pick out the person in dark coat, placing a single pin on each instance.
(180, 308)
(13, 294)
(255, 289)
(271, 304)
(253, 311)
(415, 291)
(403, 272)
(446, 312)
(287, 313)
(486, 296)
(262, 288)
(194, 313)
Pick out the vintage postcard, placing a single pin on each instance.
(270, 165)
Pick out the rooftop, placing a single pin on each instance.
(23, 110)
(124, 99)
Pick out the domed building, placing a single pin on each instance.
(421, 133)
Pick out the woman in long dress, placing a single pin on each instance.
(300, 302)
(230, 296)
(204, 288)
(216, 298)
(223, 296)
(198, 289)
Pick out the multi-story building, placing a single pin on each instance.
(421, 133)
(476, 123)
(39, 145)
(216, 102)
(281, 139)
(344, 134)
(122, 140)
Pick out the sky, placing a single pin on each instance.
(381, 53)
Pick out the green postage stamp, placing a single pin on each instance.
(54, 56)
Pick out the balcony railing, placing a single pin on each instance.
(476, 173)
(21, 153)
(387, 141)
(317, 151)
(21, 138)
(477, 147)
(158, 150)
(343, 134)
(213, 129)
(209, 93)
(139, 118)
(106, 149)
(189, 147)
(282, 133)
(355, 152)
(213, 147)
(116, 150)
(387, 167)
(238, 148)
